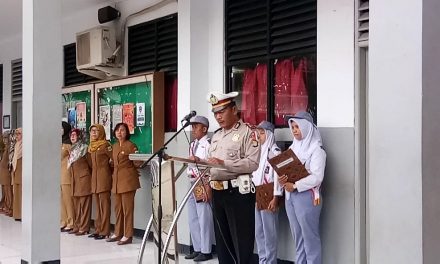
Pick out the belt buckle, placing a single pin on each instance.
(217, 185)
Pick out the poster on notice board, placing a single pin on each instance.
(71, 117)
(140, 114)
(128, 116)
(116, 115)
(81, 117)
(104, 119)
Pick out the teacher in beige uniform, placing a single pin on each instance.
(81, 181)
(5, 177)
(17, 174)
(67, 212)
(125, 184)
(100, 152)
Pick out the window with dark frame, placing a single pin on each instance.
(152, 46)
(71, 75)
(16, 80)
(271, 57)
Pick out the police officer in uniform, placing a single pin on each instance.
(234, 146)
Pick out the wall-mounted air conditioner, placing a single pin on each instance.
(96, 53)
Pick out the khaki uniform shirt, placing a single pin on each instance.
(81, 177)
(125, 174)
(101, 170)
(5, 176)
(18, 172)
(65, 173)
(238, 148)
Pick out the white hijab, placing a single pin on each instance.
(311, 139)
(264, 154)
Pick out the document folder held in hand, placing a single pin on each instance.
(264, 194)
(287, 163)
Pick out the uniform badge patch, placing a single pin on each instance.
(235, 137)
(213, 99)
(254, 139)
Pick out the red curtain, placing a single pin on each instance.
(261, 103)
(283, 89)
(299, 98)
(254, 95)
(290, 89)
(249, 95)
(171, 104)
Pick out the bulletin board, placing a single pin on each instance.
(78, 107)
(137, 101)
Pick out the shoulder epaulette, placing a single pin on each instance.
(250, 126)
(217, 130)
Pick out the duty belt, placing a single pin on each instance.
(223, 185)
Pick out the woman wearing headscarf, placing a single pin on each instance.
(266, 219)
(17, 174)
(78, 165)
(67, 212)
(100, 154)
(5, 177)
(2, 201)
(124, 186)
(303, 198)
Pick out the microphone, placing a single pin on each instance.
(188, 116)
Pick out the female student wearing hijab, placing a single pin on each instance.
(100, 152)
(81, 181)
(17, 174)
(67, 212)
(303, 202)
(5, 177)
(124, 186)
(266, 220)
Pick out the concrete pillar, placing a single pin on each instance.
(431, 131)
(42, 81)
(395, 132)
(200, 70)
(200, 55)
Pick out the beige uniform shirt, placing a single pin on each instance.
(238, 148)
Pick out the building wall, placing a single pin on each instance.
(200, 68)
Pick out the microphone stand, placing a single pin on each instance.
(160, 153)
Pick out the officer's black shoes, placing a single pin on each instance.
(203, 257)
(192, 255)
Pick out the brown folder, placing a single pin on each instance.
(202, 191)
(287, 163)
(264, 194)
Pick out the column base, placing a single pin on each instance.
(43, 262)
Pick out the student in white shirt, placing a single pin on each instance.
(200, 213)
(303, 198)
(266, 220)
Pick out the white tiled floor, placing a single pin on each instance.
(77, 250)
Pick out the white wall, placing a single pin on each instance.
(335, 102)
(395, 103)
